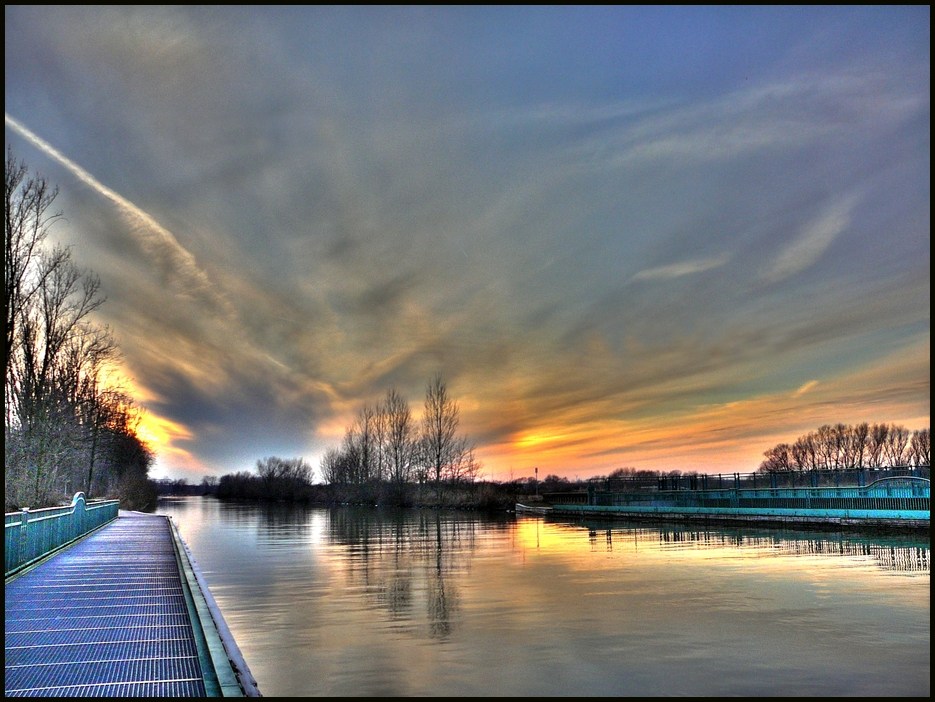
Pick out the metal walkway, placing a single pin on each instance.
(115, 615)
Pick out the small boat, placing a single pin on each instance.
(527, 509)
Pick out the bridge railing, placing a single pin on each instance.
(30, 535)
(849, 477)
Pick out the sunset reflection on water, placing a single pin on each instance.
(357, 601)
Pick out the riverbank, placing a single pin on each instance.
(862, 498)
(470, 496)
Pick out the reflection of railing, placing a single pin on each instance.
(33, 534)
(888, 552)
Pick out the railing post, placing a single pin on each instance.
(23, 540)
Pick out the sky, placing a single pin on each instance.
(653, 237)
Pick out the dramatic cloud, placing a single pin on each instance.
(653, 236)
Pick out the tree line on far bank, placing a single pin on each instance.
(387, 455)
(850, 446)
(367, 468)
(66, 427)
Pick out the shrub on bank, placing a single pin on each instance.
(479, 495)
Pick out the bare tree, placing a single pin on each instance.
(805, 452)
(80, 370)
(365, 433)
(386, 445)
(839, 446)
(61, 417)
(379, 463)
(57, 351)
(399, 439)
(446, 455)
(778, 458)
(333, 467)
(284, 478)
(842, 445)
(209, 485)
(895, 447)
(275, 468)
(351, 457)
(827, 447)
(464, 466)
(48, 329)
(110, 424)
(439, 429)
(876, 443)
(920, 447)
(26, 225)
(860, 438)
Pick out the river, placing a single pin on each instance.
(369, 602)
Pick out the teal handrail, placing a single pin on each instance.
(31, 535)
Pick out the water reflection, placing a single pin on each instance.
(401, 554)
(899, 553)
(363, 601)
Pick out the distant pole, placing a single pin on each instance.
(537, 481)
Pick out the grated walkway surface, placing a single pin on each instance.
(105, 618)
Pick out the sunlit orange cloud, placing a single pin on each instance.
(333, 429)
(160, 434)
(720, 437)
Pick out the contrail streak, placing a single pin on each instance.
(183, 264)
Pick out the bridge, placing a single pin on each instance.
(111, 605)
(881, 498)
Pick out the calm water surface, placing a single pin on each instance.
(353, 601)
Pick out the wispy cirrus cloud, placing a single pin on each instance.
(177, 264)
(804, 388)
(780, 115)
(813, 240)
(682, 268)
